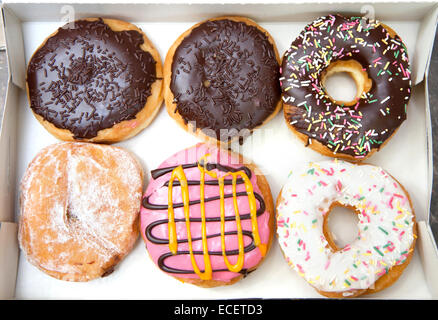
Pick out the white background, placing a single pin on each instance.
(273, 148)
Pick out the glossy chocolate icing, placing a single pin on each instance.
(225, 76)
(88, 77)
(365, 126)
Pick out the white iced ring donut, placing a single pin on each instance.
(387, 228)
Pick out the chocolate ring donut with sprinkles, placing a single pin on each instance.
(95, 80)
(377, 60)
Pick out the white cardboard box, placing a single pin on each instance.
(28, 23)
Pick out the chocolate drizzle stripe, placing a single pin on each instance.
(165, 268)
(247, 248)
(156, 240)
(209, 166)
(152, 206)
(207, 182)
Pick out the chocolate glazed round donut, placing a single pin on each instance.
(375, 57)
(221, 79)
(95, 80)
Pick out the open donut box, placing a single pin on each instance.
(408, 156)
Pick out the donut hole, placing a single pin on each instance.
(345, 82)
(341, 226)
(341, 86)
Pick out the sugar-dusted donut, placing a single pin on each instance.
(95, 80)
(79, 209)
(207, 216)
(375, 57)
(387, 227)
(221, 79)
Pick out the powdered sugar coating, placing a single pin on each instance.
(79, 209)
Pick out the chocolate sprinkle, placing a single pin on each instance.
(88, 77)
(225, 75)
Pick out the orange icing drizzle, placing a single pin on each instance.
(178, 173)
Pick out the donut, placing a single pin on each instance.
(221, 79)
(386, 228)
(79, 208)
(377, 60)
(207, 216)
(95, 80)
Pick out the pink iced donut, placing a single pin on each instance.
(217, 226)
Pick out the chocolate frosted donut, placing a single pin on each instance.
(221, 78)
(375, 57)
(95, 80)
